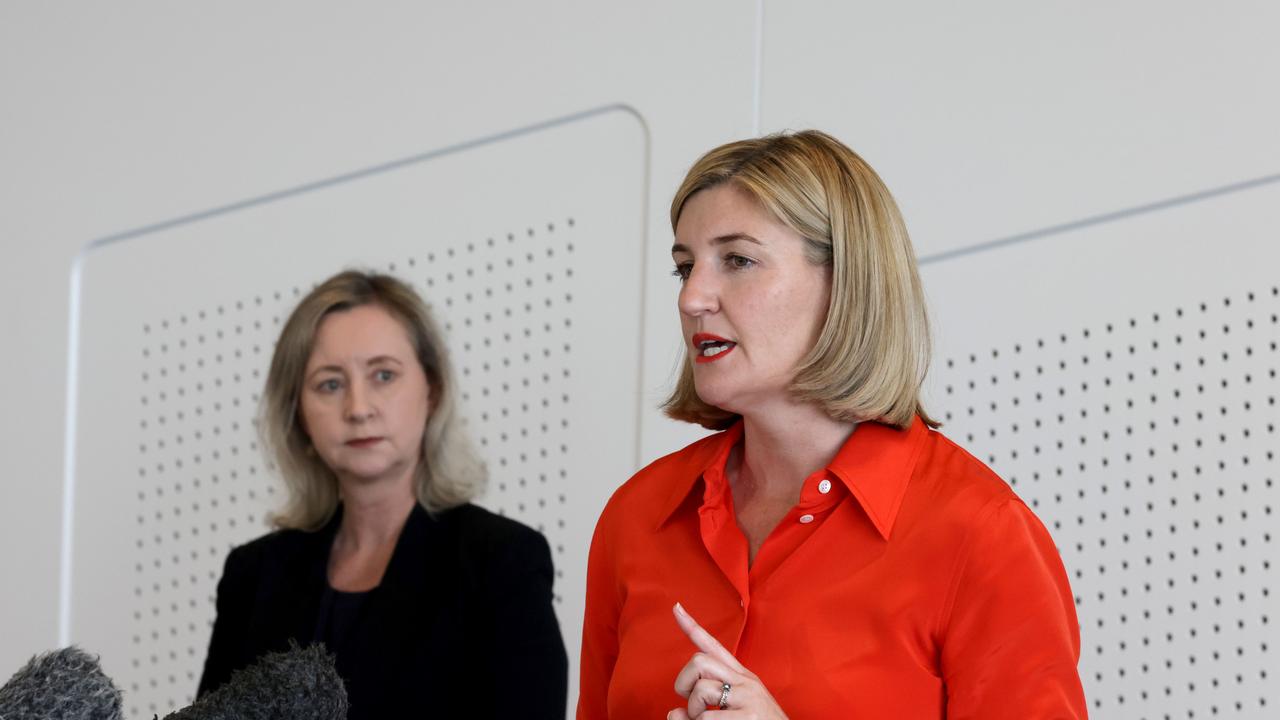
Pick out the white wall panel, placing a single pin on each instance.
(988, 121)
(1123, 378)
(528, 251)
(995, 118)
(118, 116)
(1094, 190)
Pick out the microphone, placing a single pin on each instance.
(298, 684)
(66, 684)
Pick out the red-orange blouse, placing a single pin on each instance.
(908, 582)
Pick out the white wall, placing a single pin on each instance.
(529, 248)
(989, 121)
(1092, 188)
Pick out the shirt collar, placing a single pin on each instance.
(875, 464)
(707, 455)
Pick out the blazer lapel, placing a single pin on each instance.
(396, 628)
(301, 579)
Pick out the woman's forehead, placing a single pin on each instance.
(360, 334)
(727, 214)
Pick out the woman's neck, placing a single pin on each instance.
(784, 445)
(373, 513)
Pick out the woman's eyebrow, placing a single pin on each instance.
(732, 237)
(324, 368)
(719, 240)
(376, 360)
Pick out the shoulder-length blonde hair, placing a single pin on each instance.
(449, 473)
(872, 354)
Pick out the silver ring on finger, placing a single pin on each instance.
(724, 696)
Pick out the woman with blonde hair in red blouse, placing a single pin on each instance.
(842, 557)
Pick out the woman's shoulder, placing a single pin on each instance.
(656, 488)
(277, 557)
(473, 523)
(945, 460)
(960, 489)
(280, 545)
(490, 547)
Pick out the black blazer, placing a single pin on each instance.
(460, 626)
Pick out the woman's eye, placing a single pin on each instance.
(328, 386)
(384, 376)
(739, 262)
(682, 271)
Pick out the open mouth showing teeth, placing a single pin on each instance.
(713, 348)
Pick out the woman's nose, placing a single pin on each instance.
(699, 294)
(358, 408)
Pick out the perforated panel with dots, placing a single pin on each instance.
(1090, 435)
(170, 474)
(1142, 428)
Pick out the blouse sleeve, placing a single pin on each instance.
(599, 628)
(1010, 638)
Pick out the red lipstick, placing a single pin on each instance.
(714, 344)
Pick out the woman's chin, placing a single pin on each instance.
(367, 473)
(719, 398)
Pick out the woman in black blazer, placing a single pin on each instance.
(434, 607)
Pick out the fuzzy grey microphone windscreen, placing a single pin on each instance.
(300, 684)
(65, 684)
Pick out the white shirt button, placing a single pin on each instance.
(824, 487)
(806, 518)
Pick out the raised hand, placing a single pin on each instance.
(713, 678)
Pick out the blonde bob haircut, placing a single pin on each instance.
(873, 351)
(449, 472)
